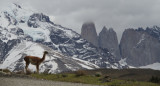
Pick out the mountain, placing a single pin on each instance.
(108, 39)
(140, 47)
(55, 62)
(89, 33)
(19, 25)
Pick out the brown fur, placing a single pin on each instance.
(34, 61)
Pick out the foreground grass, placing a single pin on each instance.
(91, 79)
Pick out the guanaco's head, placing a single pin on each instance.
(45, 52)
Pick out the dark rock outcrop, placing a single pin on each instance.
(6, 47)
(139, 47)
(32, 22)
(89, 33)
(108, 39)
(154, 31)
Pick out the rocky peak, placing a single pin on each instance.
(154, 31)
(17, 5)
(89, 33)
(34, 18)
(139, 47)
(104, 29)
(108, 39)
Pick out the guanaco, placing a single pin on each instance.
(34, 61)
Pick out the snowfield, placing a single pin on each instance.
(154, 66)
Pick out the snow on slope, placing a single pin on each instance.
(36, 33)
(55, 62)
(154, 66)
(17, 17)
(123, 62)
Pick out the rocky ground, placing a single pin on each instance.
(14, 81)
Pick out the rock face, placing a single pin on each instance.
(6, 47)
(154, 31)
(108, 39)
(89, 33)
(139, 47)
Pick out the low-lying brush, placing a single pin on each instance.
(80, 73)
(64, 75)
(155, 79)
(90, 79)
(98, 74)
(6, 70)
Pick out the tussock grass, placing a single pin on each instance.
(91, 79)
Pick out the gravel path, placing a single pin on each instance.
(14, 81)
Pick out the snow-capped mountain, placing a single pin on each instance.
(55, 62)
(19, 26)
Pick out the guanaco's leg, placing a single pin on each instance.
(26, 66)
(37, 66)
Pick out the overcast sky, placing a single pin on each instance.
(118, 14)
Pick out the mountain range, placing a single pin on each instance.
(25, 32)
(138, 47)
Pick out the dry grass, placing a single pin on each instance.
(80, 73)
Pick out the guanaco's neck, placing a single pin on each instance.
(43, 58)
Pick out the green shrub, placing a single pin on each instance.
(98, 74)
(80, 73)
(64, 75)
(6, 71)
(155, 79)
(106, 78)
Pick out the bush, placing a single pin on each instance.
(106, 78)
(64, 75)
(20, 72)
(80, 73)
(154, 79)
(6, 71)
(98, 74)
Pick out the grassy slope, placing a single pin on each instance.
(126, 77)
(128, 74)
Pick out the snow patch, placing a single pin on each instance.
(123, 62)
(85, 64)
(154, 66)
(141, 39)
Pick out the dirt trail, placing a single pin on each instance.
(14, 81)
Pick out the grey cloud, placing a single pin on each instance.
(118, 14)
